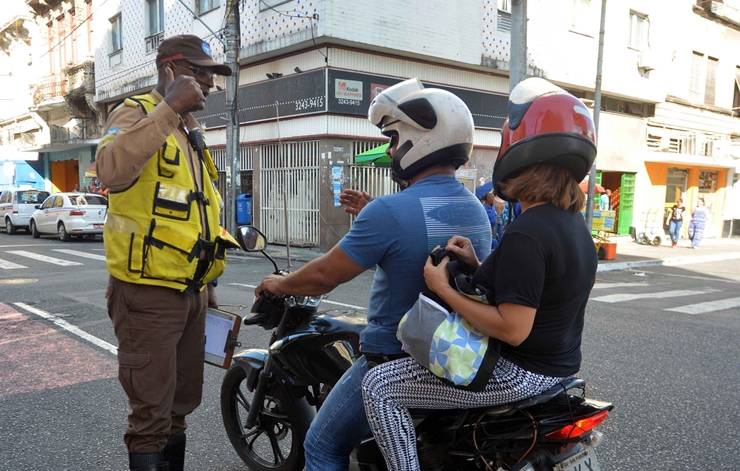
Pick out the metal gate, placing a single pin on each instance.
(290, 171)
(246, 164)
(374, 180)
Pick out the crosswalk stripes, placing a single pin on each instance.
(44, 258)
(6, 265)
(81, 254)
(622, 297)
(618, 285)
(707, 306)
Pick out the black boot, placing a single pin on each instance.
(174, 452)
(147, 462)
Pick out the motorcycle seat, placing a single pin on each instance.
(545, 396)
(335, 321)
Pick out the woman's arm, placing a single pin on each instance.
(510, 323)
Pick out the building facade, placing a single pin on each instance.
(57, 132)
(309, 69)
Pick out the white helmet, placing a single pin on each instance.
(427, 127)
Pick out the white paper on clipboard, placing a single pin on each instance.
(219, 326)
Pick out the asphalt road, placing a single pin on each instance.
(661, 344)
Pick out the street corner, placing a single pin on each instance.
(35, 357)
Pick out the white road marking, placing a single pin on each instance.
(6, 265)
(81, 254)
(621, 297)
(352, 306)
(26, 245)
(692, 277)
(617, 285)
(70, 328)
(44, 258)
(709, 306)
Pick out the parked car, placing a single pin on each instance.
(16, 207)
(69, 214)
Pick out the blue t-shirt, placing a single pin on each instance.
(396, 233)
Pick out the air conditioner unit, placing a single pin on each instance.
(646, 61)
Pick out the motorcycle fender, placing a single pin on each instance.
(252, 361)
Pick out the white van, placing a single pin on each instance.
(16, 207)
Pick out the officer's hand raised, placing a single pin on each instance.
(183, 93)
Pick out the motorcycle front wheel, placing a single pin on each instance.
(276, 441)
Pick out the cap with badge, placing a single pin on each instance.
(186, 47)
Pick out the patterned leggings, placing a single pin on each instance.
(391, 389)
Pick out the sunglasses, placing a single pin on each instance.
(202, 72)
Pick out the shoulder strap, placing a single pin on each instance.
(145, 102)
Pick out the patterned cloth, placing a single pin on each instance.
(391, 389)
(697, 225)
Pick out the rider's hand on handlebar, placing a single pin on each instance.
(463, 248)
(271, 284)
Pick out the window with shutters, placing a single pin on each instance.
(709, 84)
(639, 31)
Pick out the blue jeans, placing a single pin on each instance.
(340, 425)
(674, 229)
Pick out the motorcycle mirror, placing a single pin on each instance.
(251, 239)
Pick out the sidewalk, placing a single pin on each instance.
(629, 254)
(633, 255)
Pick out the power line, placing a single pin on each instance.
(313, 17)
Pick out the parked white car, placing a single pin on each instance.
(69, 214)
(16, 207)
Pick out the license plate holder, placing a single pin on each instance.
(583, 461)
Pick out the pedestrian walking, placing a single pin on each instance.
(605, 200)
(698, 223)
(163, 245)
(675, 221)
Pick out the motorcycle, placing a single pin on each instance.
(269, 397)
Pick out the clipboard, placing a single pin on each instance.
(222, 330)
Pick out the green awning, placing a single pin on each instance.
(376, 155)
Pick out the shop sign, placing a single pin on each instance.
(348, 91)
(282, 97)
(488, 109)
(604, 221)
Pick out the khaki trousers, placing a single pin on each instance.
(161, 345)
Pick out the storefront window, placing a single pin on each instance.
(675, 185)
(708, 181)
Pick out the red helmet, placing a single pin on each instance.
(545, 124)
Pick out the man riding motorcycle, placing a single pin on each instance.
(431, 134)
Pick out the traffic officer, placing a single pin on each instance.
(163, 245)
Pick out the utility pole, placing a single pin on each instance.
(597, 110)
(233, 40)
(518, 48)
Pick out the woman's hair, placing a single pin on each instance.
(545, 183)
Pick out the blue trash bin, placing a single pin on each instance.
(244, 209)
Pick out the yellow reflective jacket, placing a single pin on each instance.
(159, 228)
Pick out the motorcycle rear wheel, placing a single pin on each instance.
(278, 434)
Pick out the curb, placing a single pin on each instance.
(668, 262)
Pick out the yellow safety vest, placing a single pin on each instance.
(154, 233)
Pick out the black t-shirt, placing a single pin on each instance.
(546, 260)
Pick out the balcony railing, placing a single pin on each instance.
(49, 89)
(152, 42)
(81, 78)
(690, 142)
(60, 134)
